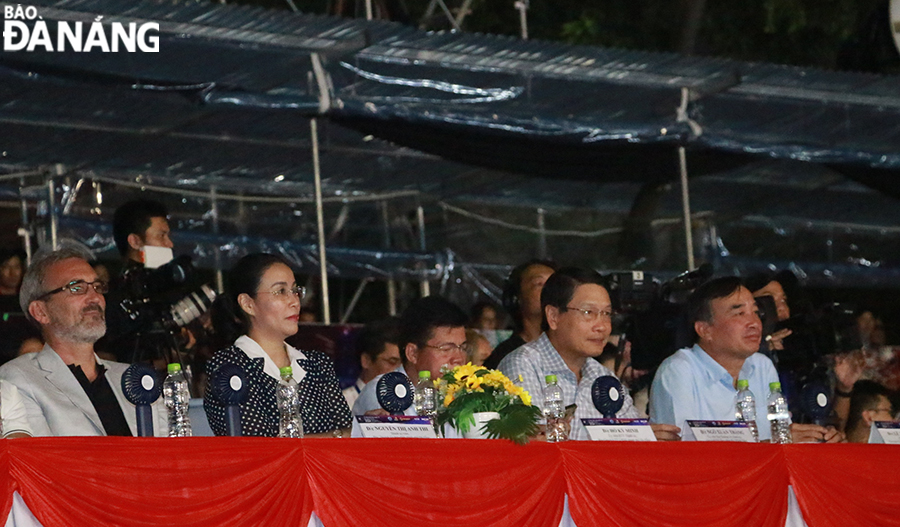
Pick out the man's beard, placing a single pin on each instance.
(87, 329)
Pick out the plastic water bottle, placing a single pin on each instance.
(177, 398)
(554, 411)
(779, 416)
(425, 398)
(745, 407)
(287, 397)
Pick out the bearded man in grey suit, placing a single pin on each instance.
(67, 390)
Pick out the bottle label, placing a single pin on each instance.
(717, 431)
(619, 429)
(396, 426)
(886, 432)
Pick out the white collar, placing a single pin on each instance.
(255, 351)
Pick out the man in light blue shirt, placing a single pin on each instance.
(577, 323)
(699, 382)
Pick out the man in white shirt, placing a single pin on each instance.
(432, 335)
(378, 354)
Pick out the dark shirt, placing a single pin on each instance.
(502, 350)
(323, 407)
(104, 401)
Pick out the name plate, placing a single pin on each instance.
(396, 426)
(887, 432)
(717, 431)
(619, 429)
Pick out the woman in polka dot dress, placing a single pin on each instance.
(262, 304)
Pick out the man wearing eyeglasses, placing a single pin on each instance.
(577, 323)
(699, 383)
(66, 389)
(869, 402)
(432, 335)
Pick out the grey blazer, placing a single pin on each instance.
(56, 404)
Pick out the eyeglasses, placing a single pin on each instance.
(592, 315)
(78, 287)
(448, 348)
(283, 292)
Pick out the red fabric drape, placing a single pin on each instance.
(663, 484)
(94, 481)
(7, 484)
(844, 485)
(440, 482)
(278, 482)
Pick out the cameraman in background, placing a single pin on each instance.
(144, 294)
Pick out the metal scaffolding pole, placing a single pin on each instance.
(391, 285)
(420, 217)
(320, 222)
(686, 209)
(214, 205)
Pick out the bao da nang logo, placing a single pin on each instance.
(25, 30)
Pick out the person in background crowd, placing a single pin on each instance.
(12, 266)
(379, 353)
(577, 324)
(432, 335)
(264, 299)
(699, 382)
(484, 316)
(66, 389)
(478, 349)
(136, 224)
(15, 329)
(522, 300)
(870, 402)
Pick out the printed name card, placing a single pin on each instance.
(717, 431)
(887, 432)
(619, 429)
(396, 426)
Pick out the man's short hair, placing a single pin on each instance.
(33, 279)
(373, 338)
(864, 397)
(512, 290)
(699, 303)
(560, 288)
(423, 315)
(135, 217)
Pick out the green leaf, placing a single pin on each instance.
(517, 423)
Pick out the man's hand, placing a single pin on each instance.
(775, 339)
(815, 434)
(848, 368)
(378, 411)
(666, 432)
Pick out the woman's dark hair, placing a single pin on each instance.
(229, 320)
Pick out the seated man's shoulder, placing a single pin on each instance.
(368, 398)
(524, 354)
(679, 363)
(19, 366)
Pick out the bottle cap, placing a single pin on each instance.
(425, 374)
(742, 384)
(286, 371)
(174, 367)
(773, 386)
(550, 378)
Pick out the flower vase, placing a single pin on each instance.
(481, 418)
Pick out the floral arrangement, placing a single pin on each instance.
(467, 390)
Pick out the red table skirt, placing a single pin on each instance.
(391, 482)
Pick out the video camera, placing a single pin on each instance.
(153, 299)
(148, 307)
(653, 315)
